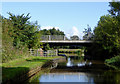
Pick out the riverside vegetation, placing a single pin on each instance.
(107, 37)
(18, 36)
(106, 41)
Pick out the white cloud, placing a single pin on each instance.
(68, 36)
(75, 31)
(48, 27)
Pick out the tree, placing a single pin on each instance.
(33, 35)
(88, 34)
(46, 47)
(74, 37)
(24, 32)
(107, 35)
(115, 8)
(52, 31)
(10, 52)
(45, 32)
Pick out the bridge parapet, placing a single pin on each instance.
(61, 39)
(58, 37)
(53, 37)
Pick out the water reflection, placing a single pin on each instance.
(67, 77)
(79, 63)
(80, 70)
(69, 63)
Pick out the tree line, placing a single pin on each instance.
(107, 36)
(106, 41)
(19, 35)
(107, 32)
(52, 31)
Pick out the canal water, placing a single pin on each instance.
(80, 70)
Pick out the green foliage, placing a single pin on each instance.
(32, 36)
(24, 32)
(19, 27)
(47, 47)
(52, 32)
(74, 37)
(88, 34)
(18, 35)
(114, 61)
(78, 52)
(9, 52)
(107, 34)
(115, 8)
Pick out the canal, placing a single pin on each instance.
(79, 70)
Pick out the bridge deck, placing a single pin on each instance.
(65, 41)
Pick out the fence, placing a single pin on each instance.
(48, 53)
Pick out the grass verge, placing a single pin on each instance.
(18, 67)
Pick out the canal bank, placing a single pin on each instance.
(17, 71)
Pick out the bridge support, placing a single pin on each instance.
(64, 38)
(49, 37)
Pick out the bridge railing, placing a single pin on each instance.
(48, 53)
(54, 37)
(57, 38)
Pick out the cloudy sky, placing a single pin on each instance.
(70, 17)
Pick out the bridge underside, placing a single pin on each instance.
(72, 45)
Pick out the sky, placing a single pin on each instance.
(70, 17)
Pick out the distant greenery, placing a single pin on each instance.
(71, 51)
(52, 31)
(74, 37)
(88, 35)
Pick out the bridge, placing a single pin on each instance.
(65, 41)
(61, 40)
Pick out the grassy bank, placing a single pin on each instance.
(18, 67)
(114, 62)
